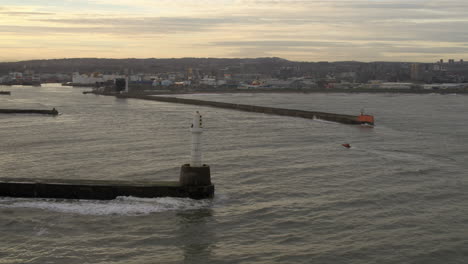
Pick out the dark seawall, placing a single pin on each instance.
(345, 119)
(99, 189)
(29, 111)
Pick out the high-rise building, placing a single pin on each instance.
(416, 72)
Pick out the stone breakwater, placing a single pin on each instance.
(339, 118)
(100, 189)
(29, 111)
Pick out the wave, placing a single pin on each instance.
(119, 206)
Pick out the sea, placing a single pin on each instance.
(287, 191)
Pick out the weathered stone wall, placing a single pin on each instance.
(345, 119)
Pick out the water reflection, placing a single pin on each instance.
(196, 235)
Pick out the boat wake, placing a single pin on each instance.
(118, 206)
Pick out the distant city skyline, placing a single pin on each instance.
(299, 30)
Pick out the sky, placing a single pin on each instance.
(299, 30)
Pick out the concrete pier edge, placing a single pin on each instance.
(339, 118)
(99, 189)
(195, 176)
(29, 111)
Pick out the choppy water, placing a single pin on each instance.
(286, 190)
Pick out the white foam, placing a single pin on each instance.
(119, 206)
(324, 121)
(42, 231)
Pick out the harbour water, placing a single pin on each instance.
(286, 190)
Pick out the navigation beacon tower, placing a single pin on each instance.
(196, 173)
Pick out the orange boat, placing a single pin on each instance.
(366, 119)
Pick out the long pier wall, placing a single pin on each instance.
(345, 119)
(99, 189)
(29, 111)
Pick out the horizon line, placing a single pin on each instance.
(222, 58)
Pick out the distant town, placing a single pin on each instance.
(260, 74)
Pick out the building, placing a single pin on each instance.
(416, 72)
(15, 76)
(208, 80)
(166, 83)
(445, 86)
(376, 84)
(93, 78)
(396, 85)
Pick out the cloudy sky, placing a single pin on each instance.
(303, 30)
